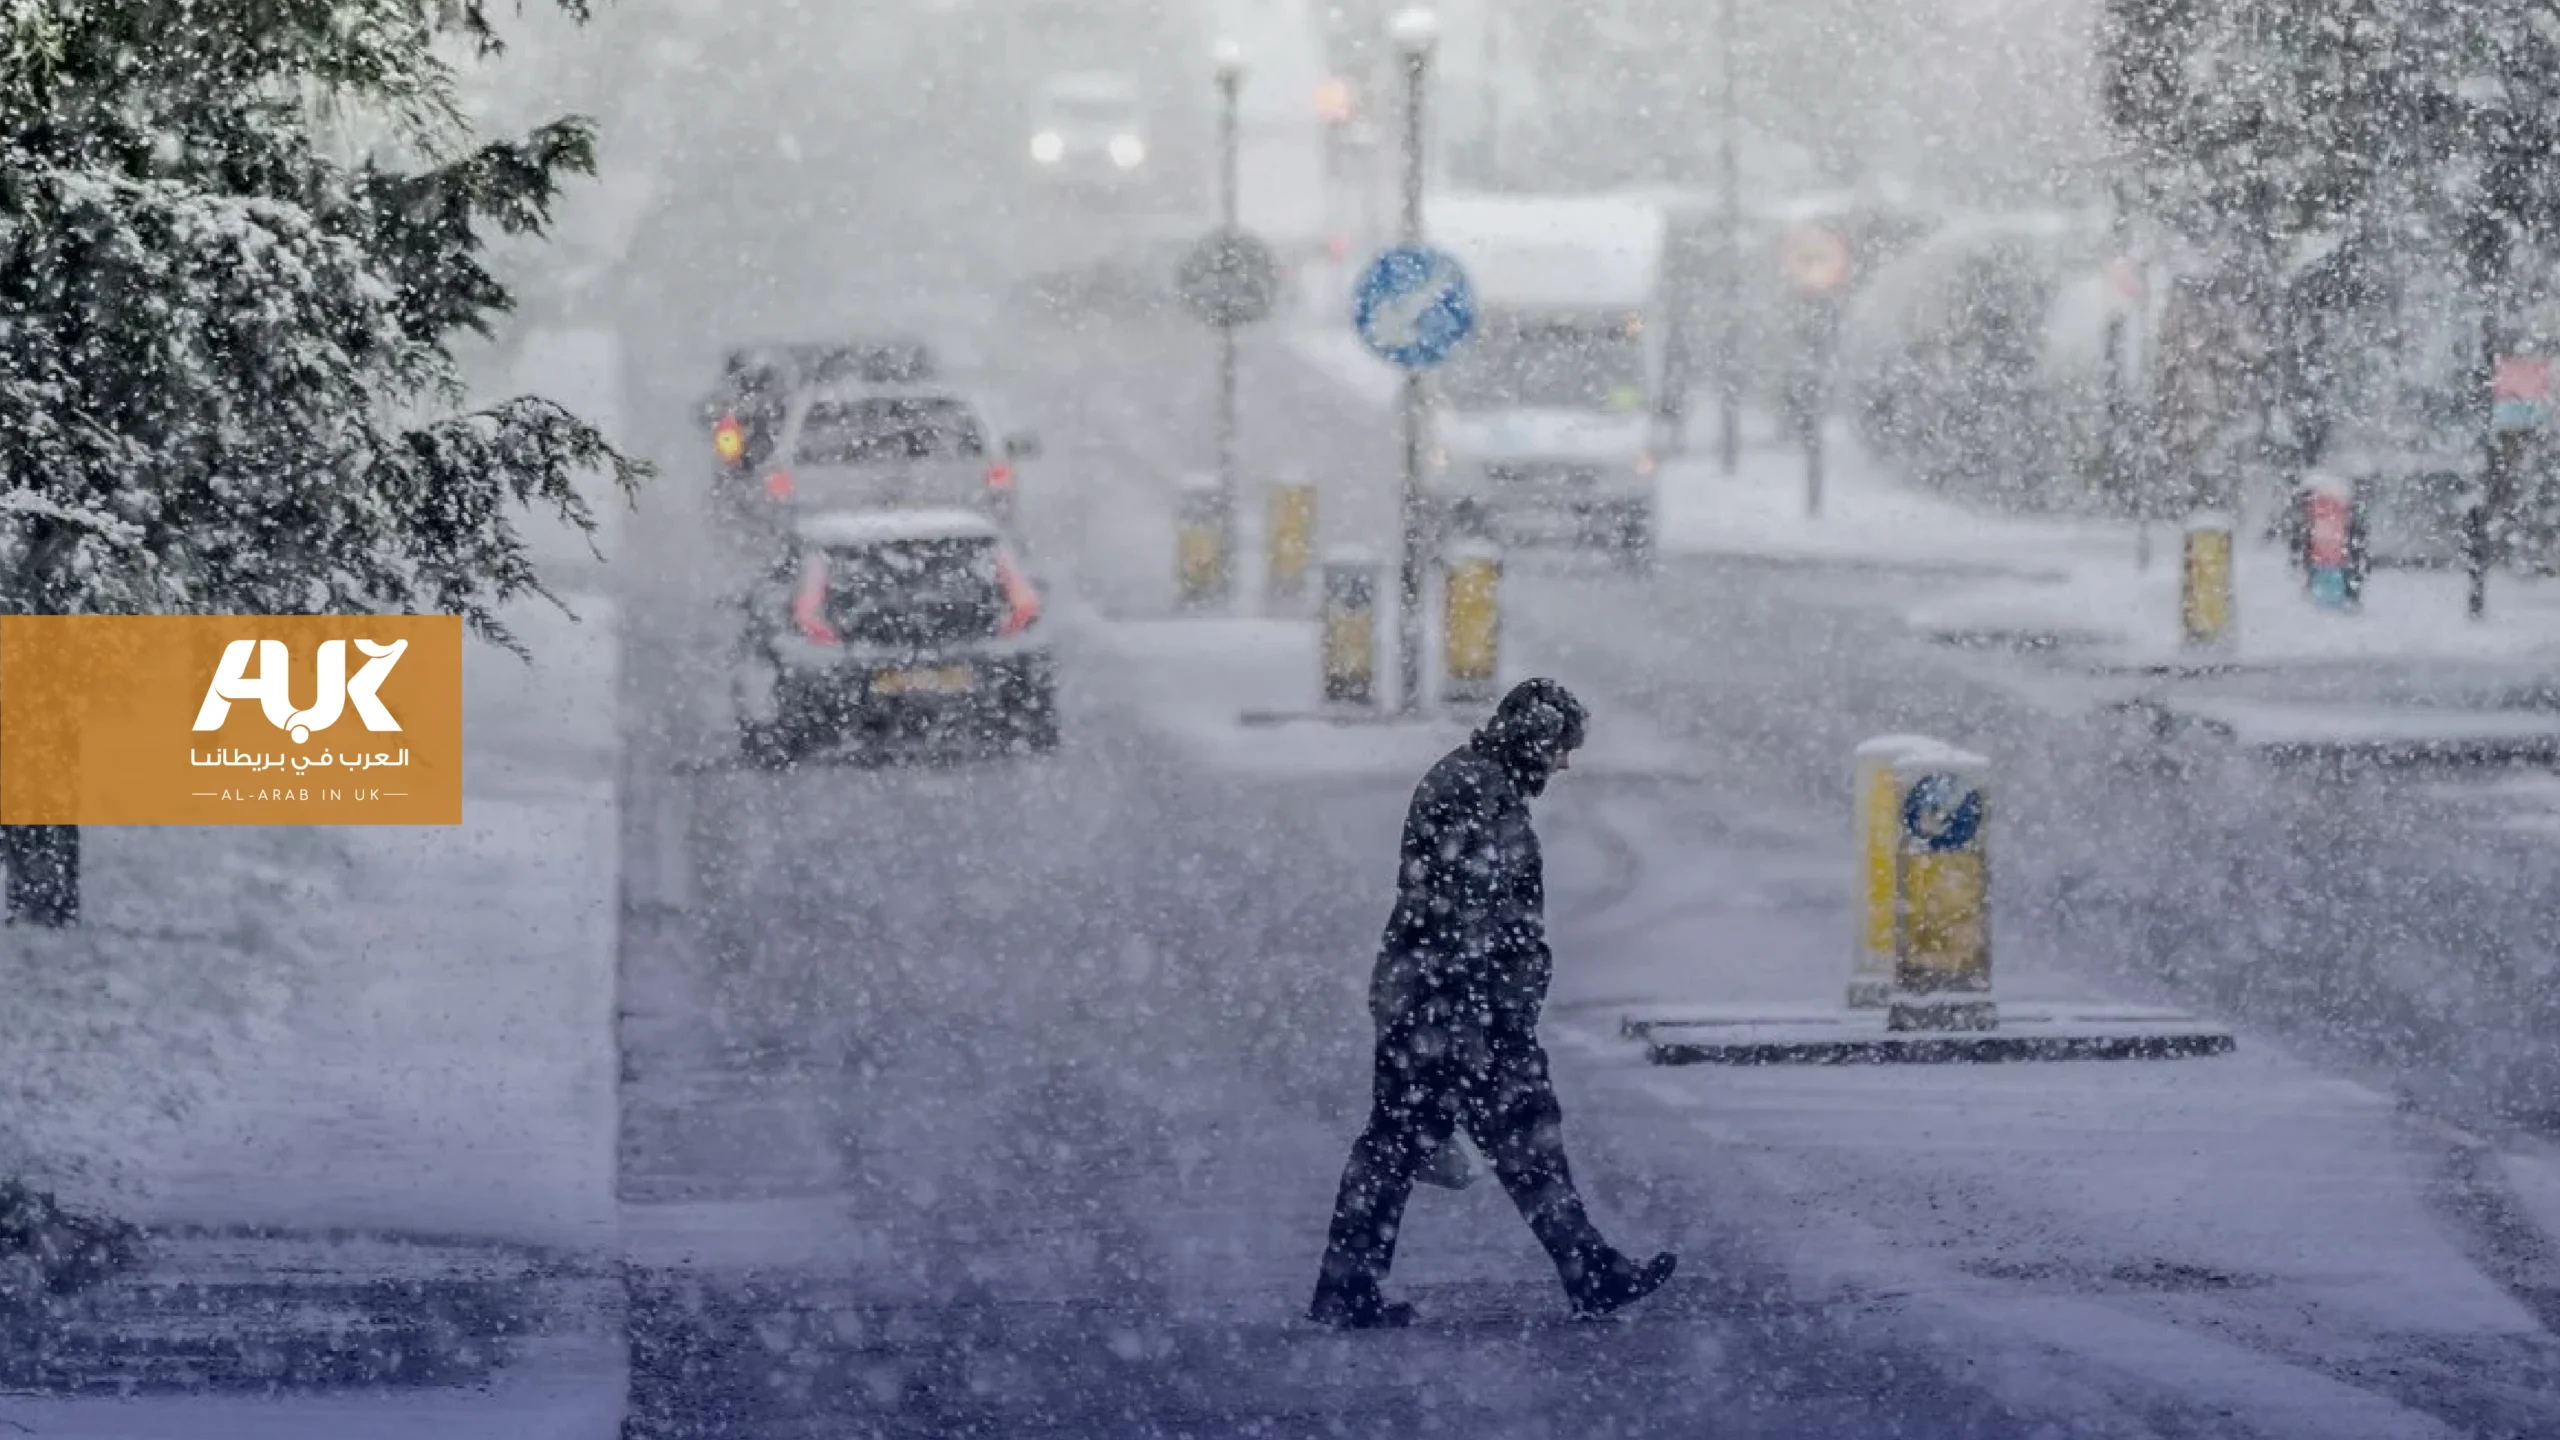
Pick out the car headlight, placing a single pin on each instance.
(1048, 147)
(1128, 151)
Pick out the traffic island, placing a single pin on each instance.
(2308, 732)
(1468, 646)
(1770, 1036)
(1920, 984)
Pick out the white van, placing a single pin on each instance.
(1542, 423)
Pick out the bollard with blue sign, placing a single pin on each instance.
(1942, 894)
(1350, 628)
(1879, 827)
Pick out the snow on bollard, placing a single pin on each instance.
(2207, 605)
(1471, 624)
(1351, 627)
(1878, 826)
(1942, 893)
(1203, 545)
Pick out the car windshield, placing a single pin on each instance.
(1577, 365)
(883, 429)
(1090, 112)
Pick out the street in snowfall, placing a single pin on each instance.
(703, 1083)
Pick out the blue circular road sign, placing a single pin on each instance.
(1942, 812)
(1413, 306)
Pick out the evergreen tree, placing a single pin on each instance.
(226, 371)
(2258, 121)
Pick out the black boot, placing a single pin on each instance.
(1622, 1283)
(1359, 1308)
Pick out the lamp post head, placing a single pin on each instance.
(1415, 29)
(1226, 60)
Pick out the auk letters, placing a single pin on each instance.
(272, 687)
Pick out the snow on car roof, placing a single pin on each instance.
(888, 527)
(1552, 249)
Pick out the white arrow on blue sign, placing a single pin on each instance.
(1413, 306)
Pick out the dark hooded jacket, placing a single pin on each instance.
(1468, 935)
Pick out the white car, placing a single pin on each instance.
(1089, 128)
(855, 445)
(880, 623)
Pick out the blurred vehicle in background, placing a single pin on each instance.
(1543, 420)
(856, 443)
(1089, 132)
(748, 406)
(898, 623)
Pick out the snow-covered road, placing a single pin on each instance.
(1008, 1097)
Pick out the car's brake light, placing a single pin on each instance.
(1022, 603)
(808, 608)
(777, 485)
(1000, 476)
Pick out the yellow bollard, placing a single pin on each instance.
(1471, 624)
(1291, 537)
(1202, 542)
(1351, 627)
(1942, 894)
(1878, 827)
(2206, 600)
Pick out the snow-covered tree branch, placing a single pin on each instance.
(225, 378)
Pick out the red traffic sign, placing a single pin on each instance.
(1815, 259)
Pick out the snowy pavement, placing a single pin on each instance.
(273, 1046)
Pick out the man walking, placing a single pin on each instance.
(1461, 977)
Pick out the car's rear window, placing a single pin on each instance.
(904, 572)
(876, 429)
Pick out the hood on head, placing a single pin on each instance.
(1538, 721)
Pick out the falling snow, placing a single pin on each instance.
(932, 902)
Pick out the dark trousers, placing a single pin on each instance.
(1432, 1077)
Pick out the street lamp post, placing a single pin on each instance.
(1414, 31)
(1228, 61)
(1729, 373)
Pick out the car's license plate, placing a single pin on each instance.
(949, 680)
